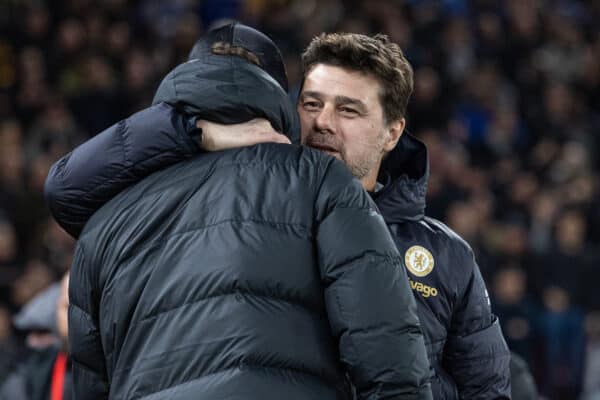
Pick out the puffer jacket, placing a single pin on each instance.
(464, 341)
(257, 273)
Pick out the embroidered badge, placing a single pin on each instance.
(419, 261)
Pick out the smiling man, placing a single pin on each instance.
(351, 129)
(352, 103)
(352, 106)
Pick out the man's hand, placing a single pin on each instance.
(217, 137)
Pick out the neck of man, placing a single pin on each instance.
(369, 182)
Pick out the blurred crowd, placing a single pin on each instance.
(507, 98)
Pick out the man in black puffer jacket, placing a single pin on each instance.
(257, 273)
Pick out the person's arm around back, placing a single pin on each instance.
(371, 309)
(81, 182)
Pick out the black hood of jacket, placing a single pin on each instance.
(404, 173)
(240, 35)
(229, 90)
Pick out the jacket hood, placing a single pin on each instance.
(404, 174)
(228, 90)
(240, 35)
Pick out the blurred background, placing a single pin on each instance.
(507, 98)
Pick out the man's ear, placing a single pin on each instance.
(395, 130)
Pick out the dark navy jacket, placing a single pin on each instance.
(465, 344)
(464, 340)
(263, 272)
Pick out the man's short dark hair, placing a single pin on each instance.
(226, 49)
(241, 37)
(372, 55)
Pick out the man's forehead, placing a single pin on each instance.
(340, 83)
(325, 94)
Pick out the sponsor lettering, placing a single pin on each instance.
(424, 290)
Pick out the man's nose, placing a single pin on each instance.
(324, 122)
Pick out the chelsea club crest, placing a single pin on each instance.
(419, 261)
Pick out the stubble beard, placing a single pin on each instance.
(360, 167)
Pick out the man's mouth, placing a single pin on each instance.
(328, 149)
(323, 147)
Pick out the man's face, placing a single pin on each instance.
(341, 114)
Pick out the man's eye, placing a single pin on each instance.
(310, 105)
(348, 111)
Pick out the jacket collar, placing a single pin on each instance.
(404, 174)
